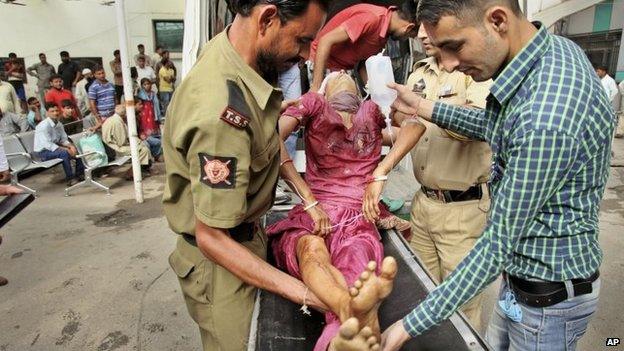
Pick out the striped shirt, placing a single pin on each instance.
(550, 127)
(104, 96)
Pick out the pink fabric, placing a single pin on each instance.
(338, 163)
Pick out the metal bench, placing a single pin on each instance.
(89, 167)
(21, 156)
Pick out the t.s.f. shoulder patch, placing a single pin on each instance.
(237, 112)
(217, 172)
(235, 118)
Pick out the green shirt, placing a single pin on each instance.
(550, 128)
(220, 143)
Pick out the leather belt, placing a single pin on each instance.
(545, 294)
(241, 233)
(473, 193)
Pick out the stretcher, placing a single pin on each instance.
(279, 325)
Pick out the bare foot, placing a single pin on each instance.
(351, 338)
(369, 290)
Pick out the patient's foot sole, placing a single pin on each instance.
(352, 338)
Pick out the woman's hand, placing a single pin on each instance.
(370, 203)
(322, 224)
(407, 101)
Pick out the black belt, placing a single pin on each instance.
(473, 193)
(545, 294)
(241, 233)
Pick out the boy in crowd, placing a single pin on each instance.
(58, 93)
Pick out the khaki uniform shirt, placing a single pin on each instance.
(442, 159)
(220, 143)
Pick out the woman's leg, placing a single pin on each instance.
(323, 279)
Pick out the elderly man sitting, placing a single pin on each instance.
(115, 135)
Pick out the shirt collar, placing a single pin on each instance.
(429, 63)
(259, 88)
(385, 24)
(509, 80)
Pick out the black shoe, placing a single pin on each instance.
(71, 182)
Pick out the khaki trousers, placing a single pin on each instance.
(220, 303)
(443, 234)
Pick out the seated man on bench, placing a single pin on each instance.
(326, 241)
(51, 142)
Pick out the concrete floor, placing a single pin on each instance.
(90, 272)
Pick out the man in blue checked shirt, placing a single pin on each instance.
(550, 128)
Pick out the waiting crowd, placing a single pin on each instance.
(70, 100)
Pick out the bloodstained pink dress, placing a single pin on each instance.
(339, 161)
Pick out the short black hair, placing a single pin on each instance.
(602, 68)
(407, 11)
(49, 105)
(41, 54)
(430, 11)
(134, 73)
(31, 99)
(140, 46)
(116, 52)
(97, 68)
(12, 55)
(164, 52)
(67, 103)
(141, 57)
(286, 9)
(55, 76)
(64, 54)
(158, 47)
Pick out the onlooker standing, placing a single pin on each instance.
(58, 93)
(150, 99)
(148, 60)
(12, 123)
(160, 64)
(608, 83)
(157, 56)
(42, 71)
(16, 73)
(144, 70)
(101, 97)
(167, 78)
(82, 95)
(69, 71)
(51, 142)
(115, 66)
(9, 101)
(36, 112)
(147, 126)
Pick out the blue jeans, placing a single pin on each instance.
(165, 98)
(291, 145)
(155, 145)
(66, 157)
(558, 327)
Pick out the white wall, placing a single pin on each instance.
(84, 28)
(581, 22)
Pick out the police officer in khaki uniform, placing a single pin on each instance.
(449, 212)
(222, 155)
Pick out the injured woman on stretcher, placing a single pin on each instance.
(326, 241)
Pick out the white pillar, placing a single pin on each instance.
(129, 99)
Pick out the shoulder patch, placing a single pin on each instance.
(217, 172)
(235, 118)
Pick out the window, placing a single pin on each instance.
(88, 62)
(169, 34)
